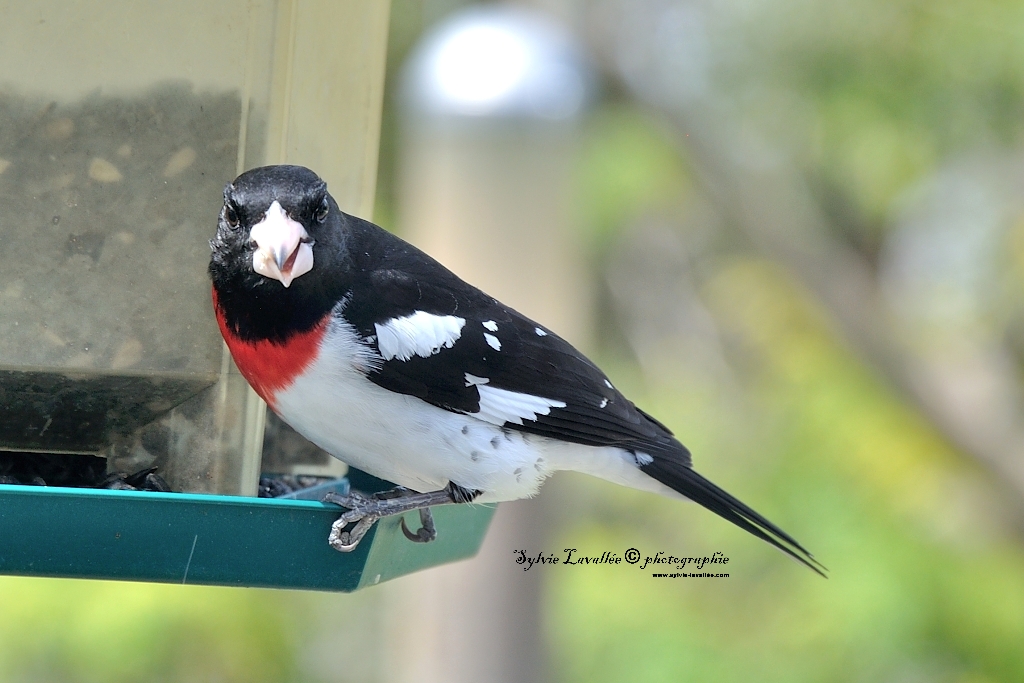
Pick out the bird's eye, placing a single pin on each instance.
(322, 211)
(230, 215)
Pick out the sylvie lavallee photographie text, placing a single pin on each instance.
(631, 556)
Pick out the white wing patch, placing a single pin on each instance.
(499, 406)
(473, 379)
(540, 332)
(420, 334)
(643, 458)
(491, 325)
(492, 341)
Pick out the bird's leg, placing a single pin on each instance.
(397, 492)
(364, 511)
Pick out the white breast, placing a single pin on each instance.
(401, 438)
(420, 446)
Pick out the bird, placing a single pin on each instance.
(387, 360)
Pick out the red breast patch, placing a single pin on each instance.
(269, 366)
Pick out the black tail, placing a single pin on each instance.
(681, 478)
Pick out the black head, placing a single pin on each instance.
(278, 256)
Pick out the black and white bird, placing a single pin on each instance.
(384, 358)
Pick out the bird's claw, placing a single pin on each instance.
(347, 541)
(426, 533)
(358, 512)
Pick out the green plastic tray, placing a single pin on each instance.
(215, 540)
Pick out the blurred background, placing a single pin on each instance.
(793, 231)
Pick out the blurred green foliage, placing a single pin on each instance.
(627, 165)
(871, 96)
(92, 631)
(925, 551)
(927, 573)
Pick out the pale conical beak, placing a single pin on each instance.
(284, 250)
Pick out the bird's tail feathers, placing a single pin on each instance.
(683, 479)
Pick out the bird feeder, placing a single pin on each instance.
(120, 123)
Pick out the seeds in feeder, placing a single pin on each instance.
(179, 161)
(129, 353)
(60, 129)
(102, 171)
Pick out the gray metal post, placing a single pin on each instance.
(492, 102)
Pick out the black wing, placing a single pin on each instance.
(531, 360)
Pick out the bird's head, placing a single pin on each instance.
(272, 219)
(278, 247)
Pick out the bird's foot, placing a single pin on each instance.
(364, 511)
(361, 511)
(426, 532)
